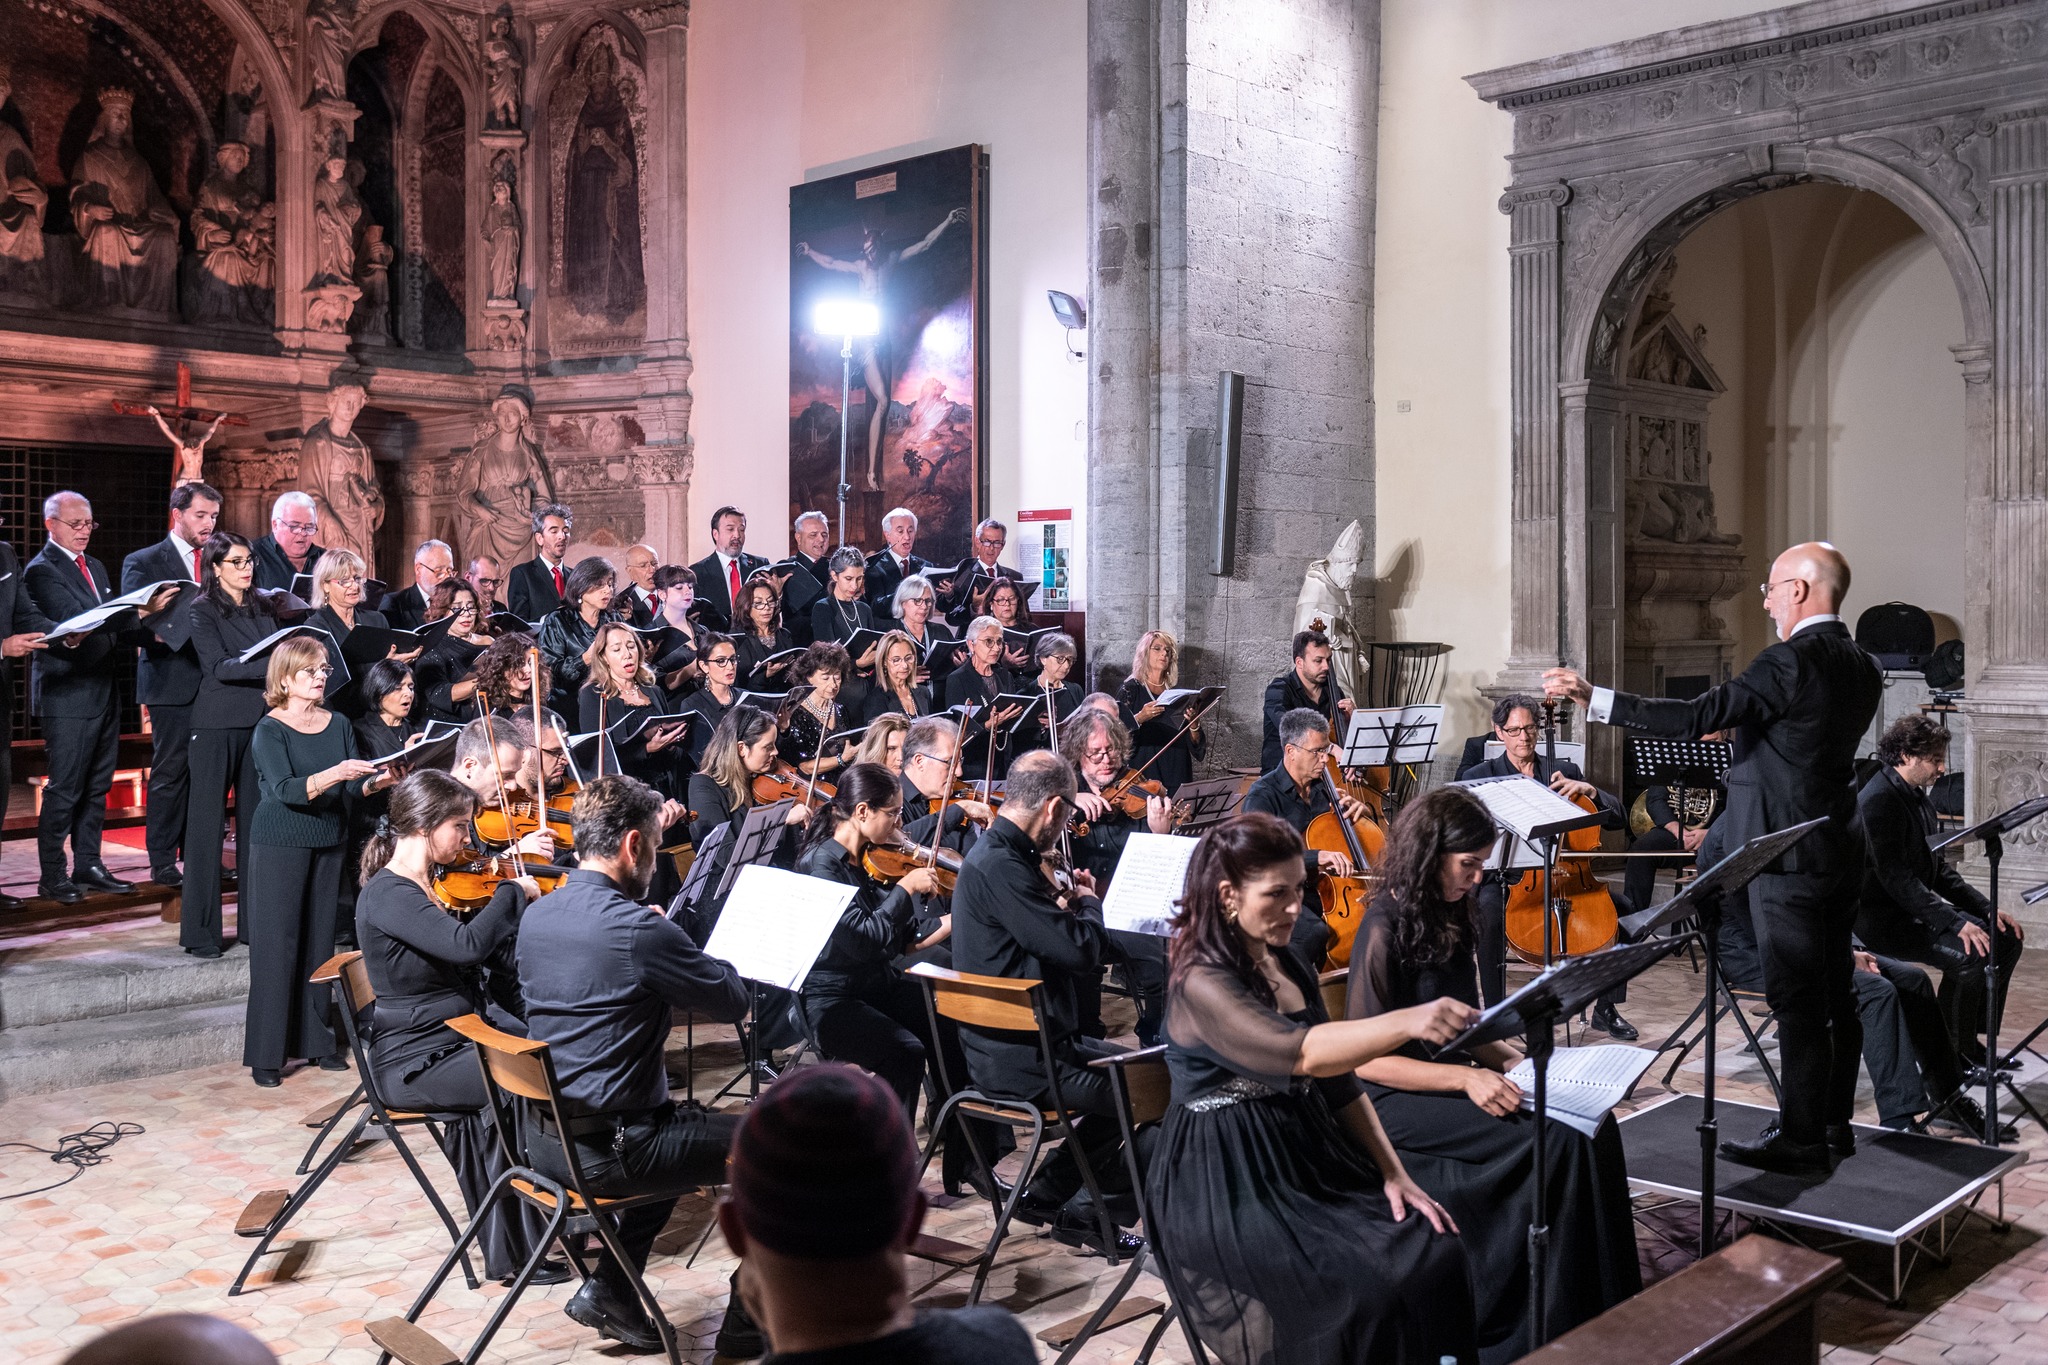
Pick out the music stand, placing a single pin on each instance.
(682, 907)
(759, 837)
(1537, 816)
(1206, 804)
(1678, 764)
(1387, 737)
(1993, 832)
(1533, 1012)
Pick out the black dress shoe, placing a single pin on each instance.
(167, 876)
(64, 891)
(1609, 1021)
(265, 1077)
(1779, 1154)
(1841, 1140)
(207, 951)
(1074, 1231)
(8, 902)
(1036, 1210)
(1970, 1116)
(336, 1062)
(553, 1270)
(99, 879)
(992, 1188)
(613, 1315)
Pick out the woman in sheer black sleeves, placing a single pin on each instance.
(1161, 746)
(1282, 1213)
(1457, 1125)
(427, 966)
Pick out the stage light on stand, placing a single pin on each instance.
(846, 319)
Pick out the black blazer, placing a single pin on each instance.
(883, 577)
(273, 570)
(1904, 879)
(1798, 712)
(165, 676)
(530, 589)
(714, 594)
(232, 695)
(18, 616)
(77, 682)
(405, 609)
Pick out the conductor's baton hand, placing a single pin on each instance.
(1562, 684)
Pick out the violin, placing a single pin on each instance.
(784, 782)
(1581, 917)
(1129, 792)
(893, 862)
(1344, 899)
(517, 819)
(469, 886)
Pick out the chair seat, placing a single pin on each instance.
(1006, 1111)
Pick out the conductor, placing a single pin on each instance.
(1797, 713)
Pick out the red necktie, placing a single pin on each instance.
(195, 564)
(733, 567)
(91, 586)
(557, 571)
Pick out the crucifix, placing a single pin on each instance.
(191, 452)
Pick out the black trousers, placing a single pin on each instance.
(881, 1024)
(170, 782)
(1906, 1045)
(1639, 883)
(1086, 1093)
(292, 893)
(220, 760)
(1803, 924)
(82, 751)
(1962, 974)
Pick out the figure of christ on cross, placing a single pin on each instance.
(191, 451)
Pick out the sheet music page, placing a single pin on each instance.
(775, 924)
(1149, 879)
(1584, 1083)
(1521, 803)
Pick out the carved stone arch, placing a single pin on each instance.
(444, 44)
(557, 42)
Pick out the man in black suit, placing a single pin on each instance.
(639, 594)
(1798, 713)
(432, 564)
(888, 567)
(1915, 905)
(721, 573)
(811, 534)
(24, 626)
(963, 592)
(1307, 684)
(534, 589)
(167, 676)
(289, 550)
(72, 690)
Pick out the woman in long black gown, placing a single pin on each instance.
(1457, 1125)
(1283, 1215)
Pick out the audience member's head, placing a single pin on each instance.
(174, 1339)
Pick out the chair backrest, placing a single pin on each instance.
(1142, 1080)
(998, 1002)
(357, 994)
(328, 972)
(518, 1066)
(1335, 987)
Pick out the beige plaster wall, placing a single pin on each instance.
(784, 91)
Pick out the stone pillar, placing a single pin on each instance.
(1535, 256)
(664, 370)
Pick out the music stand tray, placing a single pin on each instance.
(1679, 762)
(1206, 803)
(760, 837)
(1394, 736)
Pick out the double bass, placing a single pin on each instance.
(1581, 917)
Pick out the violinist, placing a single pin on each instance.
(930, 765)
(1166, 745)
(1097, 745)
(710, 702)
(897, 691)
(621, 692)
(1459, 1127)
(978, 682)
(446, 673)
(488, 757)
(762, 636)
(566, 632)
(809, 723)
(1515, 725)
(1308, 684)
(1054, 656)
(1295, 791)
(741, 748)
(428, 966)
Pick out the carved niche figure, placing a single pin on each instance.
(502, 66)
(373, 276)
(22, 202)
(1681, 514)
(336, 469)
(234, 231)
(504, 476)
(128, 231)
(502, 239)
(1326, 596)
(601, 212)
(329, 29)
(337, 210)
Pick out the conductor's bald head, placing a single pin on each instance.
(1807, 580)
(174, 1339)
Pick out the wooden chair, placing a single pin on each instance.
(522, 1069)
(1010, 1004)
(1335, 986)
(267, 1214)
(1142, 1090)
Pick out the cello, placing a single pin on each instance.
(1581, 917)
(1344, 899)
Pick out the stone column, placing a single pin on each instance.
(664, 370)
(1535, 252)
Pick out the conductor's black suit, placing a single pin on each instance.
(1797, 714)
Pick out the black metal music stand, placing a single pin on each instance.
(759, 838)
(1206, 803)
(1679, 764)
(1509, 805)
(1533, 1012)
(1993, 1072)
(1701, 898)
(1378, 737)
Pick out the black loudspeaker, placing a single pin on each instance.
(1229, 432)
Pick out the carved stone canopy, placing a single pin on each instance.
(1664, 353)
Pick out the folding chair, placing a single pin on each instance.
(1732, 1001)
(266, 1215)
(1011, 1004)
(1142, 1088)
(523, 1069)
(326, 1118)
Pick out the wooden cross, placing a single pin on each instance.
(191, 453)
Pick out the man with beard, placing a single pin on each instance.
(602, 977)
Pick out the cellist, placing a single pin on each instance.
(1295, 792)
(1516, 726)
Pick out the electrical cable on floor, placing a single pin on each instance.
(76, 1150)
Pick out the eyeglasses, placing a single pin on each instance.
(238, 562)
(1519, 729)
(487, 582)
(355, 582)
(321, 672)
(78, 525)
(304, 528)
(721, 660)
(1097, 755)
(1765, 588)
(465, 611)
(1316, 752)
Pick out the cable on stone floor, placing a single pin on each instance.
(76, 1150)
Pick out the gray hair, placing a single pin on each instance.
(991, 524)
(1302, 722)
(427, 547)
(803, 517)
(980, 624)
(844, 558)
(899, 514)
(1505, 708)
(1037, 777)
(482, 736)
(917, 585)
(1057, 642)
(54, 504)
(543, 510)
(924, 735)
(293, 499)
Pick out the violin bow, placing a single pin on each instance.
(946, 796)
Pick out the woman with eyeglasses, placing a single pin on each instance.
(916, 610)
(1163, 744)
(445, 675)
(710, 702)
(566, 632)
(338, 609)
(228, 617)
(897, 691)
(1006, 604)
(306, 771)
(1054, 655)
(761, 637)
(622, 698)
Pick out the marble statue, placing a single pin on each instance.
(234, 232)
(330, 26)
(503, 237)
(502, 67)
(1682, 514)
(128, 231)
(337, 210)
(336, 469)
(373, 276)
(1326, 597)
(22, 202)
(504, 476)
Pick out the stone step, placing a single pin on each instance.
(113, 1047)
(39, 989)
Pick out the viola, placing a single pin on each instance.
(519, 819)
(1129, 792)
(469, 886)
(1581, 917)
(1344, 899)
(893, 862)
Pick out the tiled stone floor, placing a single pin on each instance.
(151, 1230)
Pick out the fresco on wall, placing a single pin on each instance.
(597, 285)
(908, 237)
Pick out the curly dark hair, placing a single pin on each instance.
(1428, 930)
(441, 601)
(1911, 737)
(494, 667)
(1235, 850)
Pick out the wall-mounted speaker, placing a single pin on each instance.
(1229, 434)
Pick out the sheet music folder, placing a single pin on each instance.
(1732, 873)
(1529, 810)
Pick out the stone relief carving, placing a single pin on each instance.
(1872, 63)
(1677, 513)
(2013, 775)
(330, 28)
(373, 277)
(337, 214)
(23, 201)
(235, 233)
(504, 65)
(504, 476)
(503, 235)
(336, 469)
(128, 231)
(2013, 39)
(1936, 151)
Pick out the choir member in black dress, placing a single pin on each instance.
(897, 691)
(812, 717)
(710, 702)
(1159, 730)
(1053, 657)
(338, 596)
(566, 632)
(445, 675)
(678, 641)
(916, 611)
(841, 611)
(1458, 1125)
(228, 616)
(306, 767)
(1098, 747)
(426, 964)
(385, 728)
(978, 682)
(1283, 1214)
(1006, 604)
(621, 694)
(762, 637)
